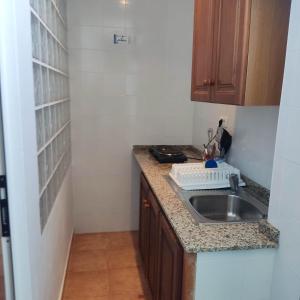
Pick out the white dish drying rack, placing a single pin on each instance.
(194, 176)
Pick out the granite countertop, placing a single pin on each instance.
(204, 237)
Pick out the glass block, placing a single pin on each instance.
(42, 9)
(61, 114)
(65, 138)
(55, 152)
(49, 161)
(54, 22)
(60, 58)
(64, 93)
(34, 4)
(53, 120)
(37, 77)
(51, 196)
(43, 210)
(45, 85)
(60, 172)
(56, 55)
(50, 49)
(47, 124)
(44, 44)
(42, 170)
(52, 85)
(52, 187)
(57, 85)
(58, 116)
(60, 87)
(39, 128)
(66, 113)
(56, 183)
(48, 12)
(60, 145)
(35, 36)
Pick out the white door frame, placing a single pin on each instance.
(19, 134)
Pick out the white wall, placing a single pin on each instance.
(124, 95)
(235, 275)
(284, 210)
(38, 260)
(253, 130)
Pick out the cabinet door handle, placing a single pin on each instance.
(146, 203)
(206, 82)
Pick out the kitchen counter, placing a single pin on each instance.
(204, 237)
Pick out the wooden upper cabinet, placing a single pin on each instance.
(239, 50)
(230, 53)
(203, 46)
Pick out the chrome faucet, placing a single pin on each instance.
(234, 183)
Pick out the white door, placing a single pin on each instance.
(17, 102)
(6, 270)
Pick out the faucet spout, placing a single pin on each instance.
(234, 182)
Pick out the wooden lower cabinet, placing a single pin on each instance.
(144, 223)
(170, 262)
(161, 252)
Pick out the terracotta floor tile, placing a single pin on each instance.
(88, 298)
(105, 266)
(125, 280)
(86, 284)
(127, 296)
(88, 261)
(121, 240)
(124, 258)
(97, 241)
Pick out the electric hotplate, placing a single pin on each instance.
(167, 154)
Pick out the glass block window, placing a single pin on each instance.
(52, 101)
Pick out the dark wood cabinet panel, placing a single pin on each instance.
(230, 55)
(239, 51)
(144, 223)
(161, 252)
(203, 50)
(153, 244)
(170, 263)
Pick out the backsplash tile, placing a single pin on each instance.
(52, 101)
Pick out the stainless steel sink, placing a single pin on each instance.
(221, 206)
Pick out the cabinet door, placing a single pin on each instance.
(144, 223)
(153, 244)
(203, 50)
(169, 264)
(231, 37)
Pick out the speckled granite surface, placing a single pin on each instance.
(200, 237)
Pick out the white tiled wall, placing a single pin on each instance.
(285, 196)
(52, 102)
(124, 95)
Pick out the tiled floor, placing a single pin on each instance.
(105, 266)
